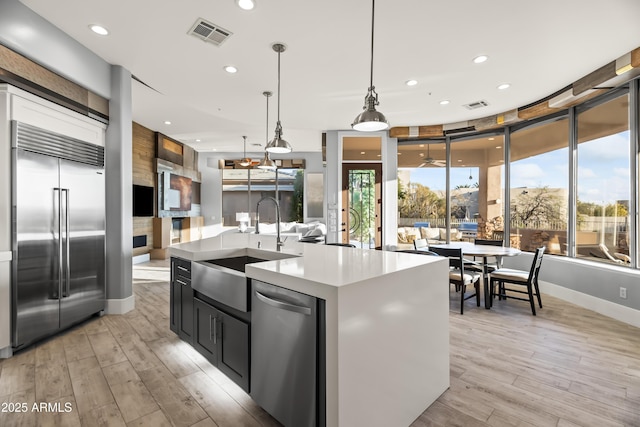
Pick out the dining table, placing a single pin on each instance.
(485, 252)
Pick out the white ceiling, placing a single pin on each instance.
(537, 46)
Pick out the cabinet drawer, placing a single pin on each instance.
(183, 268)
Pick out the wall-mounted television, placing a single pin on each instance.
(143, 200)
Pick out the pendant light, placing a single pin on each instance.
(267, 163)
(277, 144)
(371, 120)
(470, 175)
(245, 161)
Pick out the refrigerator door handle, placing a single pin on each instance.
(67, 270)
(57, 193)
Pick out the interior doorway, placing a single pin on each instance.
(361, 223)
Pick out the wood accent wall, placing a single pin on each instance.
(22, 72)
(144, 173)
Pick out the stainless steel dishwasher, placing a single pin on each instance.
(287, 355)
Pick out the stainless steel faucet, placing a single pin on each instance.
(279, 242)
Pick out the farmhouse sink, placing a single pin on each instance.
(223, 279)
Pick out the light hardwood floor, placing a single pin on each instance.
(565, 367)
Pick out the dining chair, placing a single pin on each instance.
(417, 251)
(344, 245)
(503, 276)
(459, 276)
(489, 242)
(420, 244)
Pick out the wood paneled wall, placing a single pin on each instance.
(144, 149)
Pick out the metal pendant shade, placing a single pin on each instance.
(370, 119)
(266, 162)
(245, 161)
(278, 144)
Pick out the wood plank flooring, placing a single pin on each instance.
(565, 367)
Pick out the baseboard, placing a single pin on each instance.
(607, 308)
(120, 306)
(6, 352)
(139, 259)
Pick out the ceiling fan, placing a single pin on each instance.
(431, 161)
(245, 161)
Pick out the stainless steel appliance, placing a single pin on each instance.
(287, 355)
(58, 221)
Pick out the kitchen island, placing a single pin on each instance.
(386, 321)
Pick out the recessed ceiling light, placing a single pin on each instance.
(246, 4)
(167, 122)
(504, 86)
(444, 102)
(197, 140)
(399, 154)
(421, 154)
(498, 146)
(99, 29)
(491, 139)
(362, 152)
(421, 145)
(480, 59)
(230, 69)
(411, 82)
(459, 160)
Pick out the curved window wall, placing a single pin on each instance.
(572, 184)
(603, 182)
(539, 186)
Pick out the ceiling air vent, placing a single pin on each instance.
(476, 105)
(209, 32)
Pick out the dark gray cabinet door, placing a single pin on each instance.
(205, 322)
(186, 309)
(174, 297)
(233, 351)
(223, 340)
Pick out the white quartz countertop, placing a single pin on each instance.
(314, 263)
(5, 256)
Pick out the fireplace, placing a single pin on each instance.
(176, 230)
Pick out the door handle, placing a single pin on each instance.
(215, 330)
(182, 268)
(181, 282)
(57, 195)
(283, 305)
(67, 282)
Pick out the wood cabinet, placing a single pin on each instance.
(181, 297)
(191, 229)
(223, 340)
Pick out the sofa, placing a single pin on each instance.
(314, 230)
(406, 235)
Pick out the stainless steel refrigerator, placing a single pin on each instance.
(58, 201)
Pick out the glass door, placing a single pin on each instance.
(362, 205)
